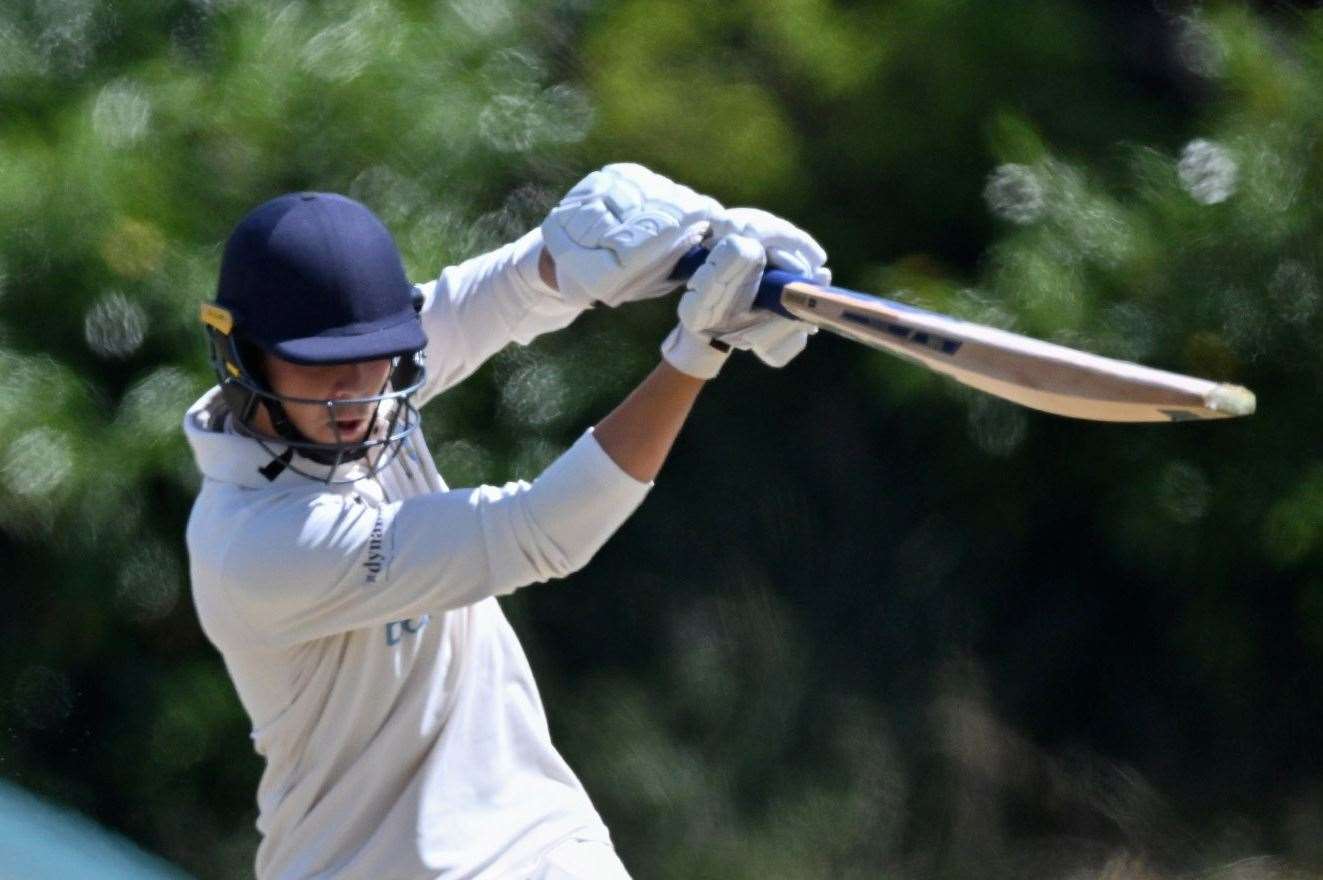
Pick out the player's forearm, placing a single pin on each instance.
(638, 434)
(546, 269)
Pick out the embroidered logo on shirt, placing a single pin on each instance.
(396, 631)
(378, 554)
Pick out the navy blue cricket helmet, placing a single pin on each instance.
(315, 278)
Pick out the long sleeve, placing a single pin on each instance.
(478, 307)
(301, 569)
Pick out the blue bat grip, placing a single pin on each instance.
(769, 290)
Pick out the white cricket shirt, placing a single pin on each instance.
(402, 730)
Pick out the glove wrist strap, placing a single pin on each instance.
(694, 355)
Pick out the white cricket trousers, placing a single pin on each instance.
(581, 860)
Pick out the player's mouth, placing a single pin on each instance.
(350, 429)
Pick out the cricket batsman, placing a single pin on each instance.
(352, 593)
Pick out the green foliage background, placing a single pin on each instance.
(867, 624)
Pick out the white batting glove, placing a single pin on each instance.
(788, 246)
(617, 235)
(716, 314)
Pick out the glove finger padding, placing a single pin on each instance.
(617, 235)
(723, 288)
(645, 237)
(788, 246)
(614, 183)
(793, 261)
(586, 223)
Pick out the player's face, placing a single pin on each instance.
(329, 382)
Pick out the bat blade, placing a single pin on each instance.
(1040, 375)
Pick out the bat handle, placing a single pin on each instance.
(769, 290)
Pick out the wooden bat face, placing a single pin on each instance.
(1040, 375)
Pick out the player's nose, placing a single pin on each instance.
(350, 381)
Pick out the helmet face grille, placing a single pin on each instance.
(394, 417)
(394, 421)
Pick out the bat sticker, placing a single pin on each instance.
(928, 340)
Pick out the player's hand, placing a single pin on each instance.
(716, 314)
(617, 235)
(788, 247)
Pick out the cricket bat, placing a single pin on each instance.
(1033, 373)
